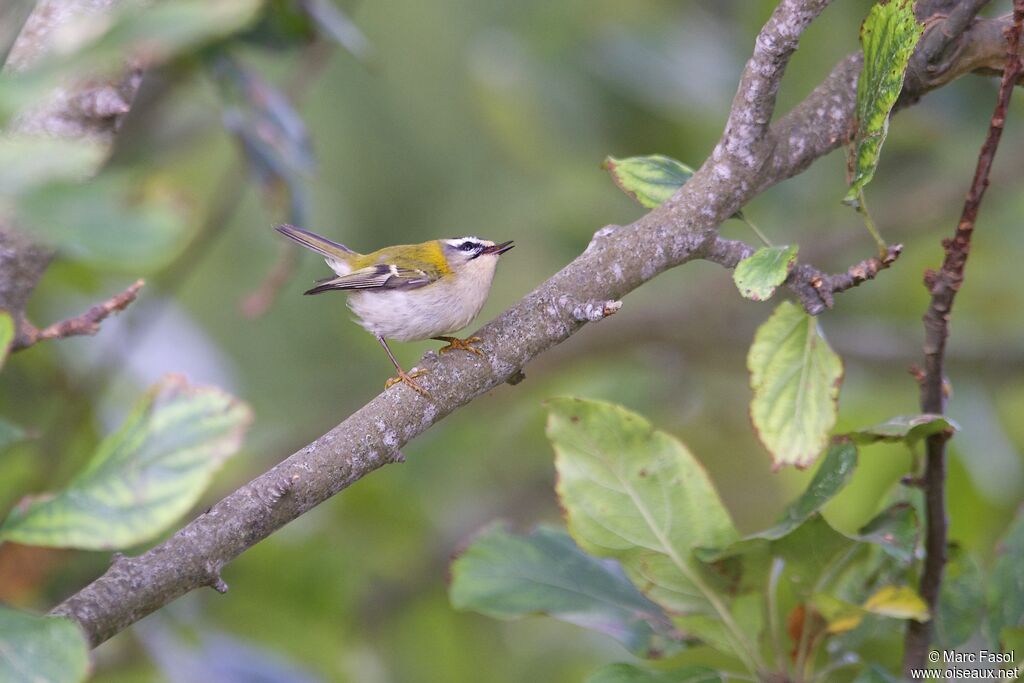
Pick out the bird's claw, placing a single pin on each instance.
(407, 377)
(454, 343)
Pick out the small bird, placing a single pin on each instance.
(410, 292)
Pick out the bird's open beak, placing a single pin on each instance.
(498, 249)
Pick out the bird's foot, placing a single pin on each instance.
(454, 343)
(407, 377)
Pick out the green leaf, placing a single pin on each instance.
(650, 180)
(907, 428)
(832, 476)
(35, 649)
(10, 433)
(30, 161)
(628, 673)
(895, 531)
(1005, 593)
(507, 576)
(637, 495)
(758, 275)
(105, 222)
(142, 477)
(6, 335)
(795, 376)
(888, 37)
(961, 601)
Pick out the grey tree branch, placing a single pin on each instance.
(84, 109)
(617, 261)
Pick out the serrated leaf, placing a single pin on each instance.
(628, 673)
(758, 275)
(907, 428)
(636, 494)
(1005, 592)
(888, 38)
(650, 180)
(961, 606)
(106, 222)
(795, 377)
(30, 161)
(507, 576)
(898, 602)
(142, 477)
(6, 335)
(36, 648)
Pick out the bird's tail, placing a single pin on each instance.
(321, 245)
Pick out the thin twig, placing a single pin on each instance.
(943, 286)
(87, 323)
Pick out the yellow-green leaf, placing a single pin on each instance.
(758, 275)
(898, 602)
(142, 477)
(637, 494)
(888, 37)
(6, 335)
(35, 649)
(795, 377)
(840, 615)
(650, 180)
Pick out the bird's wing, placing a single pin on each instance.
(380, 276)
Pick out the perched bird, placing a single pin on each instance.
(410, 292)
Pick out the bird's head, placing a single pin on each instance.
(473, 252)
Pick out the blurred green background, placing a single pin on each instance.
(492, 118)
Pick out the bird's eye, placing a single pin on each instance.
(467, 246)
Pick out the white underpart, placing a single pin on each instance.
(437, 309)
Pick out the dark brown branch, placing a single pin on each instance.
(87, 323)
(943, 286)
(617, 261)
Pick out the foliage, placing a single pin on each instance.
(888, 37)
(758, 275)
(795, 376)
(34, 648)
(141, 478)
(636, 496)
(489, 119)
